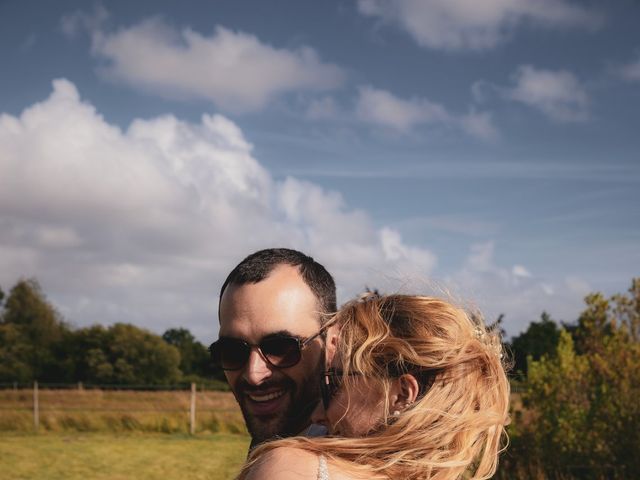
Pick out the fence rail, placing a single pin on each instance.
(168, 408)
(112, 386)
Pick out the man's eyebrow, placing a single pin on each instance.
(278, 333)
(282, 333)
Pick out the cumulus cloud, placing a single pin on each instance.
(232, 69)
(142, 225)
(382, 108)
(557, 94)
(475, 25)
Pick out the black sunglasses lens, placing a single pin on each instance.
(281, 352)
(230, 353)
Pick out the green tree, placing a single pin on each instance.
(31, 331)
(541, 338)
(584, 414)
(193, 355)
(125, 354)
(14, 354)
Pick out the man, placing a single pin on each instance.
(272, 309)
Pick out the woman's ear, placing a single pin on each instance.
(404, 391)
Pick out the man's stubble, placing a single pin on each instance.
(295, 418)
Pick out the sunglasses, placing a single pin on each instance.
(278, 350)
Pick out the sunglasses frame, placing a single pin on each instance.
(301, 343)
(329, 387)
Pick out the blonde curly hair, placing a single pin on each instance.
(455, 429)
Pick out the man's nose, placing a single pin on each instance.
(257, 369)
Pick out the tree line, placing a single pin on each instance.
(37, 344)
(576, 413)
(580, 413)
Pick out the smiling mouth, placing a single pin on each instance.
(265, 397)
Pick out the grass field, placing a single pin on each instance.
(119, 434)
(99, 456)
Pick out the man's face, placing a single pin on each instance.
(274, 401)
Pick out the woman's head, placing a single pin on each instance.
(420, 384)
(415, 355)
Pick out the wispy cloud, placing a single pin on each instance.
(466, 225)
(472, 24)
(323, 108)
(557, 94)
(232, 69)
(631, 71)
(515, 290)
(382, 108)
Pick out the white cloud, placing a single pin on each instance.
(234, 70)
(472, 24)
(557, 94)
(396, 251)
(520, 271)
(382, 108)
(479, 125)
(142, 225)
(631, 71)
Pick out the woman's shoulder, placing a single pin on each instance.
(291, 463)
(286, 463)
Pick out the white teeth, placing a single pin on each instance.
(266, 397)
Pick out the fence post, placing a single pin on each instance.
(192, 411)
(36, 407)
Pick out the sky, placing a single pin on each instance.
(484, 151)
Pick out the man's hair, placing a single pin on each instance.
(257, 266)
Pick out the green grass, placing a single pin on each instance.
(99, 456)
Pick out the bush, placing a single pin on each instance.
(582, 402)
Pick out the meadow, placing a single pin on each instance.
(102, 456)
(120, 434)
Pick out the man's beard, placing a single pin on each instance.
(302, 400)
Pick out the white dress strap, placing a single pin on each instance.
(323, 471)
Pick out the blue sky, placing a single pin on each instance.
(486, 150)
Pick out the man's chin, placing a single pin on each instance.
(267, 419)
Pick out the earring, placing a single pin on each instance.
(396, 413)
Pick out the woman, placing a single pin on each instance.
(417, 390)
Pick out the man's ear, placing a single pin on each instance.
(331, 344)
(404, 391)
